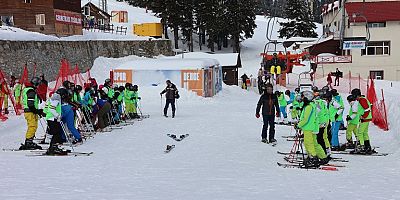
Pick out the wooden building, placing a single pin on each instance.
(55, 17)
(94, 16)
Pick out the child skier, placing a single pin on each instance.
(336, 108)
(282, 106)
(270, 108)
(365, 118)
(128, 98)
(323, 120)
(32, 113)
(296, 105)
(308, 124)
(135, 99)
(353, 119)
(53, 117)
(17, 94)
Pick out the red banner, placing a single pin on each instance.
(68, 18)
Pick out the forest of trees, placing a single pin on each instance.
(218, 24)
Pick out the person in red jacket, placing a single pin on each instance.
(365, 118)
(329, 80)
(42, 88)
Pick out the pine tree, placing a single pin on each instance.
(240, 21)
(299, 21)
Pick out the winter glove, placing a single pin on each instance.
(336, 116)
(348, 118)
(291, 107)
(277, 114)
(298, 108)
(257, 115)
(139, 98)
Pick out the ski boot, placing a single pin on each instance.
(77, 141)
(6, 111)
(54, 150)
(350, 144)
(358, 150)
(173, 114)
(311, 162)
(264, 140)
(368, 149)
(324, 161)
(29, 145)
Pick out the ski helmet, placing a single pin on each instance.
(325, 88)
(308, 95)
(56, 97)
(78, 88)
(66, 84)
(107, 82)
(297, 90)
(121, 88)
(35, 81)
(356, 92)
(287, 92)
(63, 93)
(351, 98)
(135, 88)
(334, 92)
(328, 95)
(315, 89)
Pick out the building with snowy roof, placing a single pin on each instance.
(200, 75)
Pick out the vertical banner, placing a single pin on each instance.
(121, 76)
(192, 80)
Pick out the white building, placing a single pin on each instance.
(378, 22)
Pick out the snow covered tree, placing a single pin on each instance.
(299, 22)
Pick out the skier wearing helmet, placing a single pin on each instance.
(365, 108)
(32, 112)
(309, 124)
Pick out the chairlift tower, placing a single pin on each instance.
(103, 5)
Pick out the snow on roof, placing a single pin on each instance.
(224, 59)
(17, 34)
(168, 63)
(322, 40)
(135, 15)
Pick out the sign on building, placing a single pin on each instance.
(353, 45)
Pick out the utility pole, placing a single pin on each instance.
(343, 26)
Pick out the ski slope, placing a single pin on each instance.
(222, 158)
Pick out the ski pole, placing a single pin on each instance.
(45, 132)
(67, 136)
(161, 105)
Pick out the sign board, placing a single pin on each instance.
(353, 45)
(122, 76)
(192, 80)
(68, 17)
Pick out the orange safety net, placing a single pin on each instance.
(379, 115)
(6, 92)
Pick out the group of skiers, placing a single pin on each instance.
(71, 106)
(318, 116)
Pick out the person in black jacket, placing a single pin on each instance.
(270, 108)
(170, 94)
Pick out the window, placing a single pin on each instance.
(376, 48)
(100, 21)
(346, 52)
(86, 11)
(376, 25)
(27, 1)
(378, 75)
(40, 20)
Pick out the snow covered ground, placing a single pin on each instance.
(222, 158)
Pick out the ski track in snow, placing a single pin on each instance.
(222, 158)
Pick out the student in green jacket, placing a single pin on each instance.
(309, 124)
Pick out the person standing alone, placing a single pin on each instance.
(171, 93)
(270, 108)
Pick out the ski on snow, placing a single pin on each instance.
(169, 148)
(300, 166)
(68, 154)
(178, 139)
(359, 154)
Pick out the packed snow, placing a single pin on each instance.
(222, 158)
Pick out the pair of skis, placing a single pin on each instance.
(42, 152)
(176, 138)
